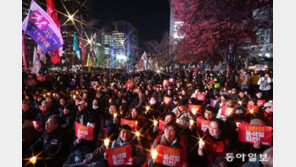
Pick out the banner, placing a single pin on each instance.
(130, 84)
(260, 103)
(169, 156)
(195, 109)
(76, 47)
(161, 124)
(226, 111)
(40, 26)
(119, 156)
(83, 132)
(165, 82)
(200, 96)
(202, 124)
(41, 78)
(213, 102)
(167, 100)
(252, 133)
(132, 123)
(36, 63)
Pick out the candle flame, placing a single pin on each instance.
(115, 115)
(106, 142)
(191, 122)
(137, 133)
(154, 122)
(33, 159)
(154, 154)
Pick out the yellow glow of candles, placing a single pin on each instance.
(191, 122)
(158, 71)
(237, 123)
(53, 94)
(33, 160)
(115, 115)
(194, 110)
(44, 95)
(110, 100)
(147, 108)
(48, 94)
(177, 120)
(180, 97)
(229, 112)
(74, 96)
(251, 111)
(270, 101)
(229, 91)
(106, 142)
(154, 154)
(137, 133)
(240, 102)
(201, 143)
(154, 122)
(76, 92)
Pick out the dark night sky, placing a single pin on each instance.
(150, 17)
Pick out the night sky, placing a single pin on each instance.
(150, 17)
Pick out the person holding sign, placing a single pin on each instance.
(170, 117)
(216, 144)
(204, 121)
(169, 139)
(126, 138)
(183, 115)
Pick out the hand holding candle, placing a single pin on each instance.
(106, 143)
(154, 155)
(201, 143)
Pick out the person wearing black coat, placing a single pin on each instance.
(51, 144)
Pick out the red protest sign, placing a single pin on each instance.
(30, 82)
(200, 96)
(167, 100)
(169, 156)
(212, 82)
(252, 133)
(260, 103)
(132, 123)
(161, 124)
(165, 82)
(226, 111)
(252, 109)
(130, 84)
(119, 156)
(202, 123)
(41, 78)
(84, 132)
(195, 109)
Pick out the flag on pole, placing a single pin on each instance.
(40, 26)
(75, 46)
(41, 54)
(36, 63)
(51, 11)
(89, 62)
(81, 46)
(98, 54)
(25, 54)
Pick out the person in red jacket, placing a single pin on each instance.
(215, 145)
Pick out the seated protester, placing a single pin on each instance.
(257, 147)
(252, 102)
(96, 111)
(221, 101)
(217, 144)
(140, 101)
(82, 147)
(242, 97)
(169, 138)
(268, 112)
(182, 115)
(109, 122)
(228, 103)
(44, 114)
(67, 117)
(28, 112)
(173, 104)
(51, 144)
(184, 95)
(231, 123)
(208, 114)
(259, 96)
(233, 94)
(170, 117)
(62, 104)
(154, 110)
(99, 156)
(124, 107)
(53, 105)
(136, 115)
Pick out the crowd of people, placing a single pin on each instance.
(53, 103)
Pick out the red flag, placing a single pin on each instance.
(55, 58)
(25, 54)
(51, 11)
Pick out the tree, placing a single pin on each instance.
(160, 51)
(217, 29)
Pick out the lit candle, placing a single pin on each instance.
(53, 94)
(110, 100)
(180, 97)
(154, 123)
(106, 142)
(48, 94)
(115, 115)
(147, 108)
(154, 155)
(238, 123)
(137, 134)
(194, 110)
(251, 111)
(201, 143)
(33, 159)
(191, 122)
(177, 120)
(74, 97)
(44, 95)
(240, 102)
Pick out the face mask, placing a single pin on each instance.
(95, 107)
